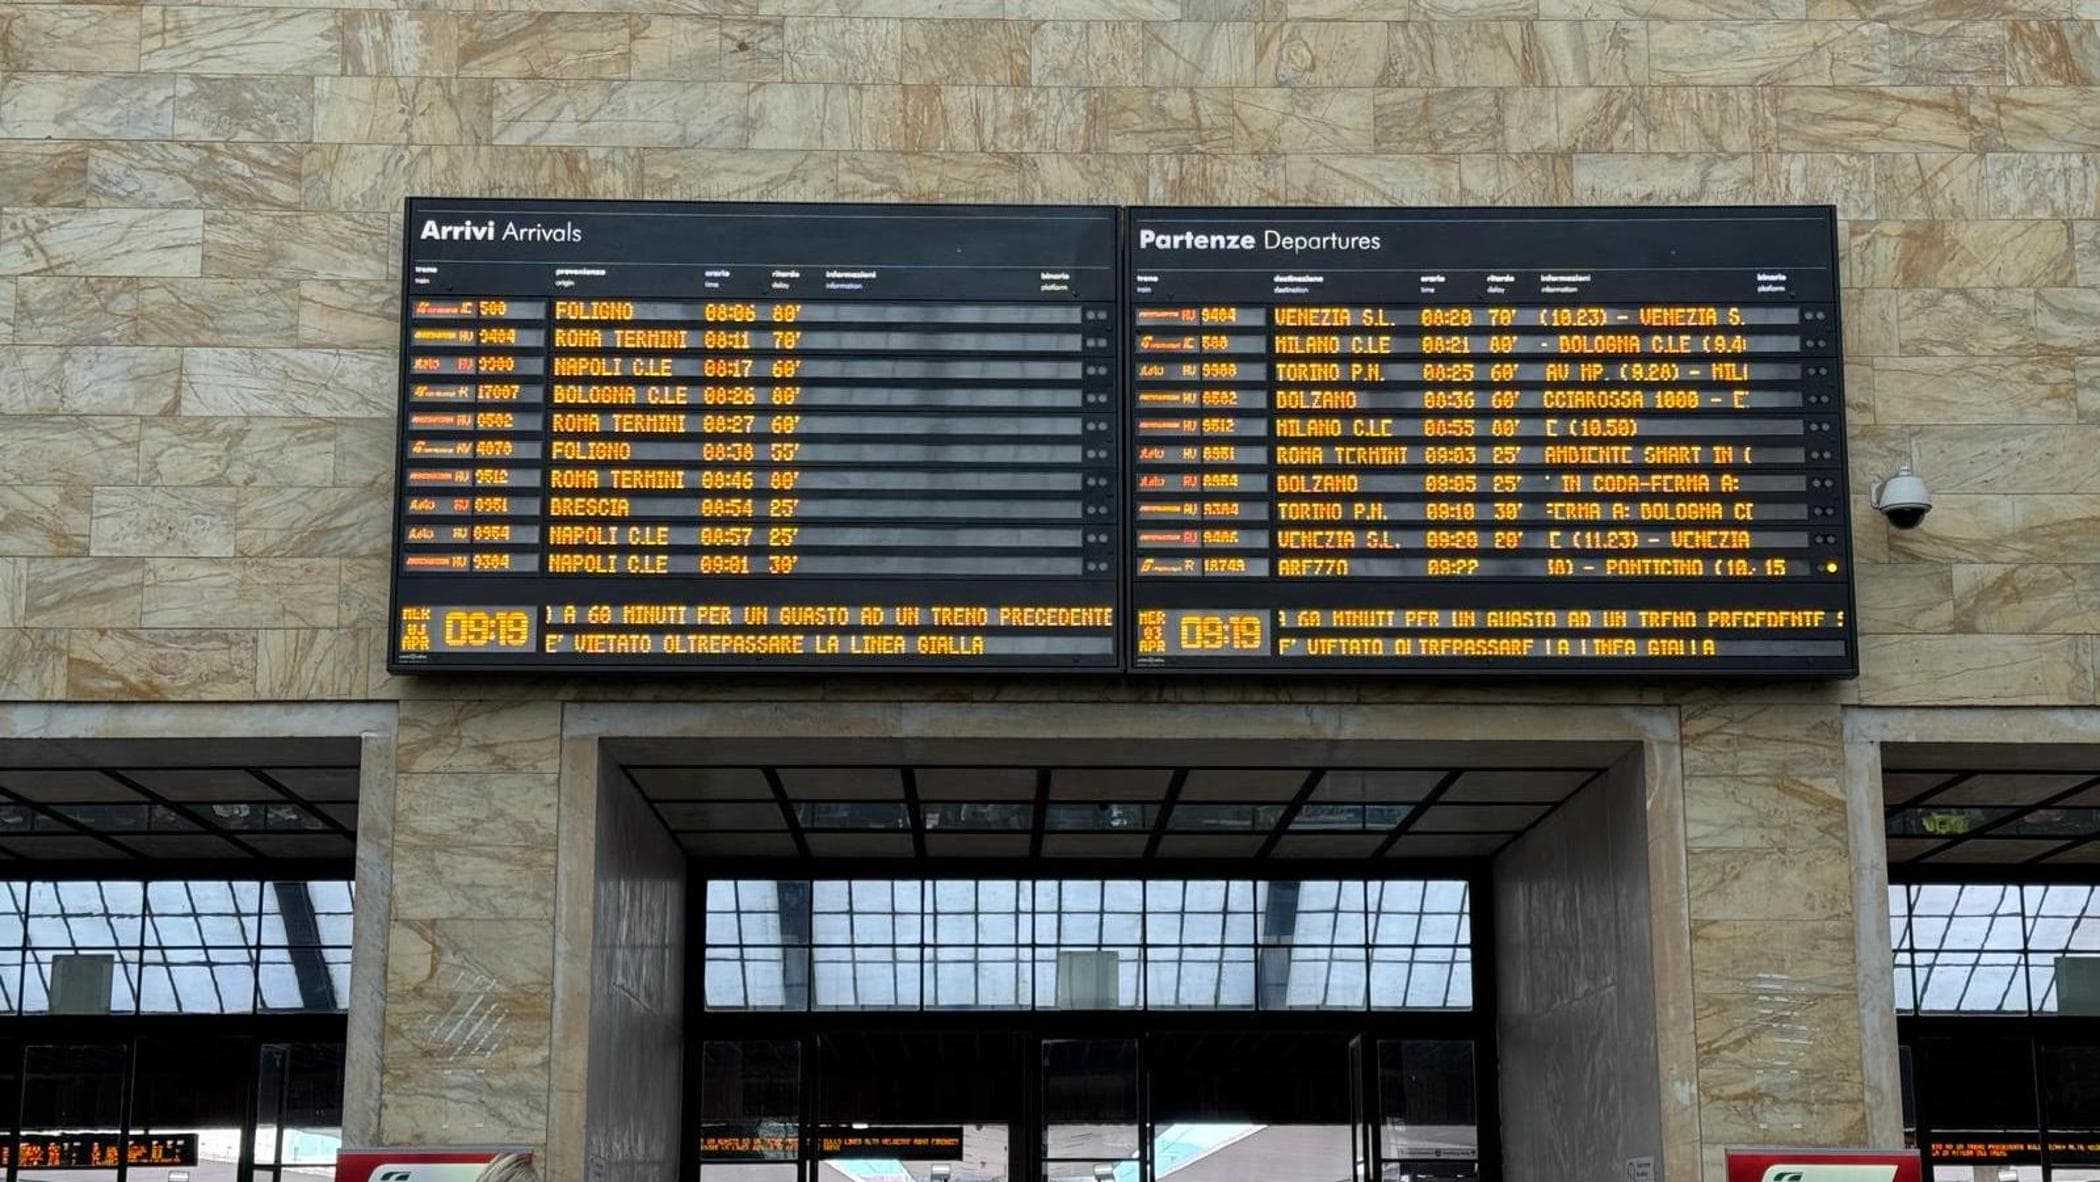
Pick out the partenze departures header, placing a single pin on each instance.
(1148, 239)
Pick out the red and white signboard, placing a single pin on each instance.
(1825, 1165)
(420, 1165)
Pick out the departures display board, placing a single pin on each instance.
(644, 435)
(1523, 440)
(695, 436)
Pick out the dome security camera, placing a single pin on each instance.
(1903, 499)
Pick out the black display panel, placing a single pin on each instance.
(685, 436)
(1551, 441)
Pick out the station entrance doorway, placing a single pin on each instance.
(973, 961)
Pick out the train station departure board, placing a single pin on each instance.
(652, 435)
(765, 436)
(1489, 440)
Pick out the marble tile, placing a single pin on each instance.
(1770, 53)
(2068, 319)
(249, 593)
(1950, 53)
(1187, 179)
(86, 106)
(1732, 956)
(1594, 52)
(929, 176)
(159, 664)
(998, 118)
(346, 314)
(34, 173)
(288, 383)
(842, 49)
(543, 45)
(64, 310)
(256, 176)
(69, 449)
(2059, 598)
(406, 43)
(302, 664)
(163, 521)
(2043, 184)
(43, 518)
(14, 589)
(1931, 185)
(1971, 321)
(87, 380)
(293, 521)
(244, 107)
(1696, 178)
(1974, 390)
(404, 110)
(1974, 670)
(487, 736)
(32, 663)
(626, 114)
(2045, 118)
(99, 241)
(425, 1100)
(217, 312)
(508, 809)
(2053, 53)
(2012, 459)
(82, 592)
(235, 451)
(242, 244)
(814, 115)
(709, 174)
(209, 40)
(1353, 180)
(1804, 816)
(1760, 739)
(455, 881)
(1905, 597)
(1919, 254)
(364, 452)
(1105, 53)
(1238, 120)
(47, 37)
(1743, 119)
(1879, 119)
(1753, 885)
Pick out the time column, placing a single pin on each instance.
(475, 434)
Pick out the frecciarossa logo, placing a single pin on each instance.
(469, 230)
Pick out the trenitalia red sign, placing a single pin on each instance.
(425, 1165)
(1824, 1165)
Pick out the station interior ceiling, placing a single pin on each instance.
(1166, 801)
(229, 801)
(1995, 804)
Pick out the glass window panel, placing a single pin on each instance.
(1104, 816)
(853, 814)
(756, 978)
(71, 1089)
(292, 980)
(89, 981)
(1970, 982)
(1198, 977)
(999, 815)
(85, 914)
(1906, 985)
(197, 981)
(1090, 1102)
(1314, 978)
(867, 978)
(1899, 916)
(1421, 978)
(750, 1105)
(1942, 820)
(1429, 1094)
(197, 1089)
(980, 977)
(300, 1107)
(1088, 978)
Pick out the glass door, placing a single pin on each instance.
(1229, 1106)
(916, 1106)
(1092, 1125)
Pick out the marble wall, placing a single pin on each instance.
(633, 1116)
(1575, 984)
(199, 211)
(199, 208)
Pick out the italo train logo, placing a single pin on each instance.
(434, 230)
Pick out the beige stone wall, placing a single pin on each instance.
(199, 212)
(199, 207)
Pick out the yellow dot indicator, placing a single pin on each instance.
(1830, 568)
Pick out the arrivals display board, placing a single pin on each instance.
(1490, 440)
(764, 436)
(663, 436)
